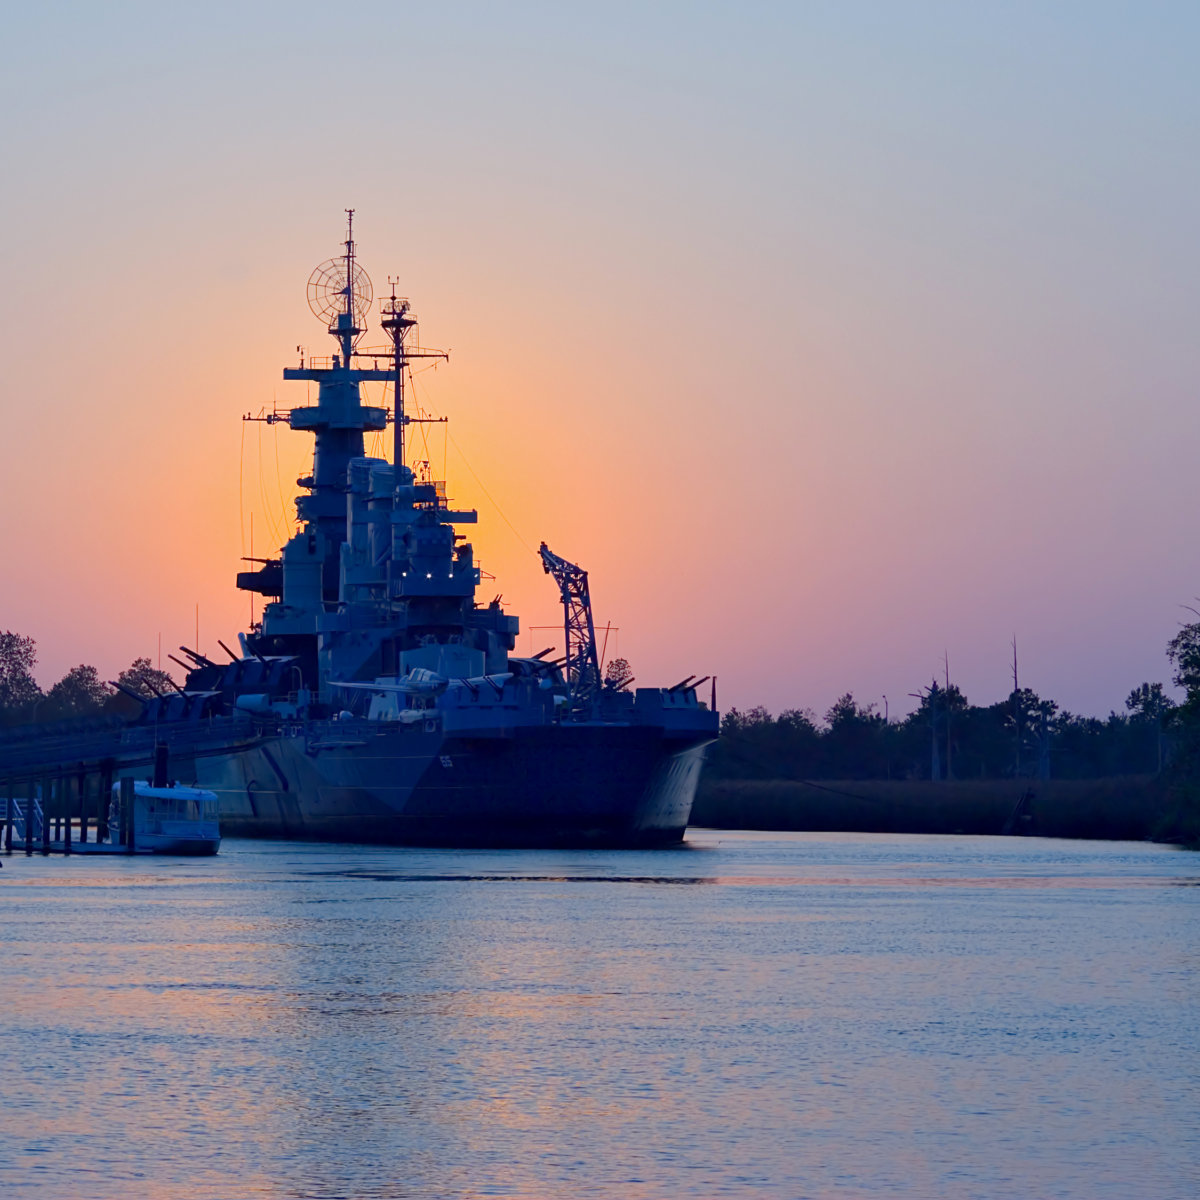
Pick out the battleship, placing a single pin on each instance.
(375, 700)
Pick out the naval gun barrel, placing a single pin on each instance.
(196, 656)
(128, 692)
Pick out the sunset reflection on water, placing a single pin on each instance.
(814, 1016)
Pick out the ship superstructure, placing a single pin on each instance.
(376, 582)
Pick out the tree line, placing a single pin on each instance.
(1023, 736)
(79, 693)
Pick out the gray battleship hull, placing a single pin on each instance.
(367, 781)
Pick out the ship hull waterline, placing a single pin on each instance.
(593, 785)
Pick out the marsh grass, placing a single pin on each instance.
(1127, 807)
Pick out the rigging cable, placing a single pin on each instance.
(489, 495)
(421, 411)
(279, 480)
(376, 445)
(466, 463)
(241, 497)
(268, 508)
(838, 791)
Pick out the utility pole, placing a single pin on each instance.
(1016, 706)
(929, 695)
(887, 741)
(935, 767)
(949, 768)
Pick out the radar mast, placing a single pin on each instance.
(396, 323)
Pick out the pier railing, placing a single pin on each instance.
(21, 820)
(31, 752)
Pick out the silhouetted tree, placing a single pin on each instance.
(1148, 702)
(79, 692)
(937, 714)
(1183, 774)
(1184, 652)
(754, 745)
(854, 746)
(1149, 710)
(19, 691)
(618, 674)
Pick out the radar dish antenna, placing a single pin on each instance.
(330, 294)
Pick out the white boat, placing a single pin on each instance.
(168, 820)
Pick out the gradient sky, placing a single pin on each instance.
(829, 337)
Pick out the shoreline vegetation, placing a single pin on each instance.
(1019, 766)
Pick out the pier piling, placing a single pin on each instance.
(83, 812)
(127, 822)
(106, 781)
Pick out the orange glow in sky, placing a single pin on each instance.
(828, 345)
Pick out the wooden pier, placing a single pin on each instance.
(56, 780)
(67, 814)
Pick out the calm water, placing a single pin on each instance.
(776, 1015)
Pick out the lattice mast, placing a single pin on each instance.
(583, 662)
(346, 328)
(396, 323)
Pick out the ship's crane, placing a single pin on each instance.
(583, 663)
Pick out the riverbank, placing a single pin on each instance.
(1124, 808)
